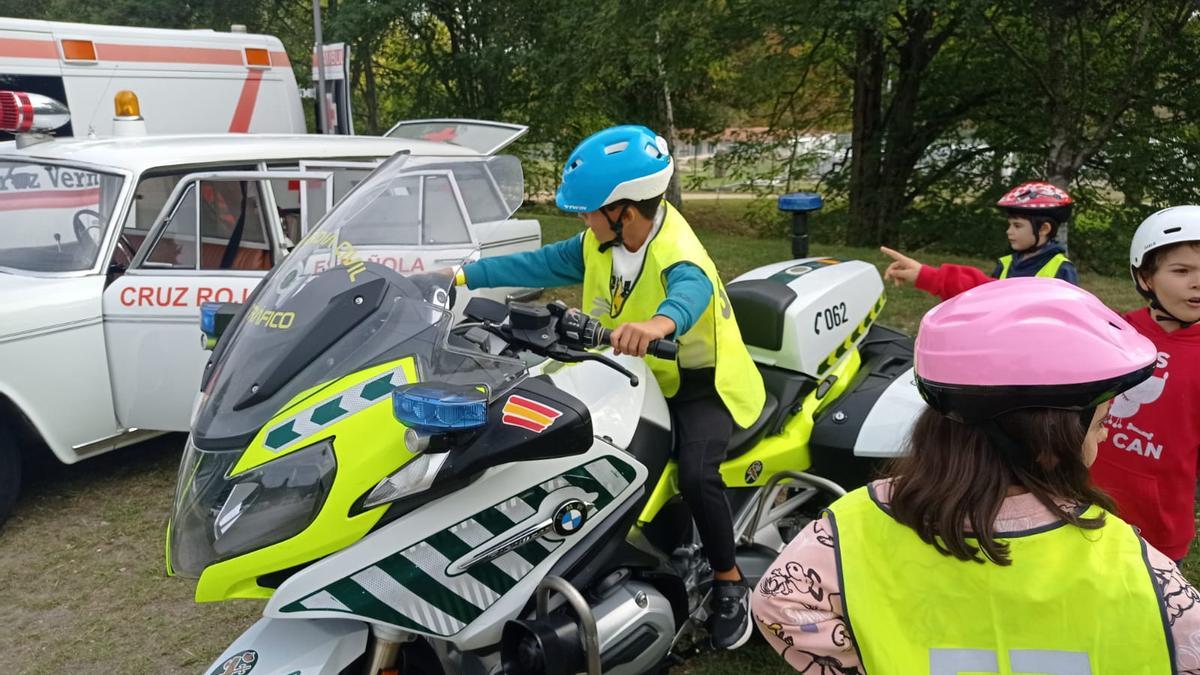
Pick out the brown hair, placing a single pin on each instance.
(950, 484)
(1153, 258)
(648, 208)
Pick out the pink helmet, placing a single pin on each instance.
(973, 360)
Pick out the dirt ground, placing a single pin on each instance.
(83, 588)
(82, 583)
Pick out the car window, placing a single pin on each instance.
(176, 247)
(151, 194)
(483, 202)
(232, 228)
(441, 202)
(395, 217)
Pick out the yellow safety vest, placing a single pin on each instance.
(1073, 602)
(1048, 271)
(714, 338)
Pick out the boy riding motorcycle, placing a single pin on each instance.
(646, 276)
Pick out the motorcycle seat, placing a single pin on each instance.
(743, 439)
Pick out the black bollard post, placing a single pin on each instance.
(800, 204)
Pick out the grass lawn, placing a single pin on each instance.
(81, 560)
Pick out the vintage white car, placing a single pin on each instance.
(109, 247)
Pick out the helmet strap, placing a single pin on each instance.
(1085, 417)
(1035, 225)
(1163, 315)
(617, 226)
(1160, 313)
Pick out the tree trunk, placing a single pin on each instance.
(904, 146)
(674, 191)
(866, 139)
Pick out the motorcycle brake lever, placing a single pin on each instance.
(573, 356)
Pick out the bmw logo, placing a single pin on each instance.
(570, 517)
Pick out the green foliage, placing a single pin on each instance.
(973, 96)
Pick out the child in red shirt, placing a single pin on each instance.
(1034, 211)
(1149, 464)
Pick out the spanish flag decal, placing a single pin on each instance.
(522, 412)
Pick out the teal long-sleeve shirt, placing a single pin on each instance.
(561, 264)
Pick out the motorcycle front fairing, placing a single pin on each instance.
(458, 567)
(294, 426)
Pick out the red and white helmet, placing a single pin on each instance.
(1038, 199)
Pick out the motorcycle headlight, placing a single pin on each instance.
(217, 516)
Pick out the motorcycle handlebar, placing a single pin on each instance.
(663, 349)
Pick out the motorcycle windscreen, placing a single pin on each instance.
(330, 309)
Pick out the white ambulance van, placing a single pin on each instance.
(187, 81)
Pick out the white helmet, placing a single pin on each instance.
(1163, 228)
(1171, 225)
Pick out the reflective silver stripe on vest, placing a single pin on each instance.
(1045, 661)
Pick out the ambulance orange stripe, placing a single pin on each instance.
(151, 53)
(44, 49)
(245, 105)
(27, 49)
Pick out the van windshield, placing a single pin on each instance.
(53, 217)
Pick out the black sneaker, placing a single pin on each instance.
(729, 623)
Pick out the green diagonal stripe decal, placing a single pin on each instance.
(328, 412)
(360, 602)
(533, 552)
(533, 497)
(411, 577)
(282, 435)
(485, 573)
(493, 521)
(452, 601)
(584, 481)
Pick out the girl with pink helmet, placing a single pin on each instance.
(988, 548)
(1034, 211)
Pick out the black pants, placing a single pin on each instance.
(703, 426)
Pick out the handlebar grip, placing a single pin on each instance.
(663, 349)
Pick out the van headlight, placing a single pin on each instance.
(217, 516)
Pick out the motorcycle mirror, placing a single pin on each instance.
(485, 309)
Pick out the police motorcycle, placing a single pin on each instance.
(414, 493)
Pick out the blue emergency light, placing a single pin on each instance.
(208, 318)
(440, 407)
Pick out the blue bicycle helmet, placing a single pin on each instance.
(626, 162)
